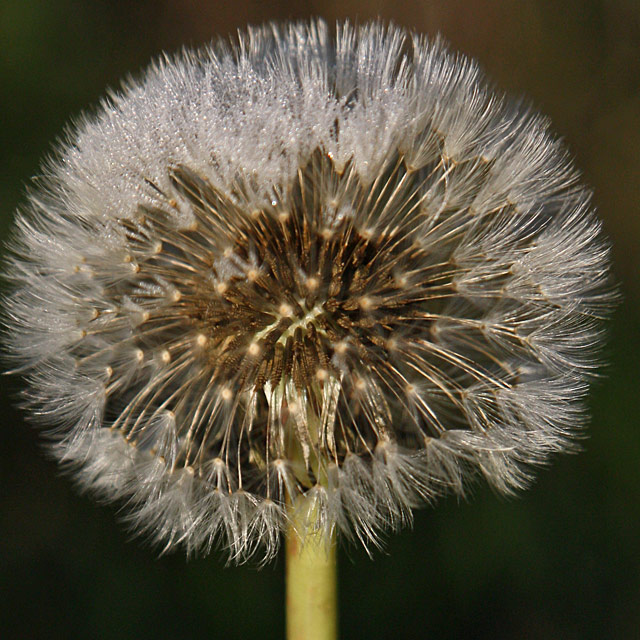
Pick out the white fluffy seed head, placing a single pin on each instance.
(333, 266)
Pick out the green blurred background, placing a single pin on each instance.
(561, 561)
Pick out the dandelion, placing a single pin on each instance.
(310, 278)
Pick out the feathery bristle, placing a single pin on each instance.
(340, 268)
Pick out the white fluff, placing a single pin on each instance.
(119, 261)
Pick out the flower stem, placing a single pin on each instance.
(311, 580)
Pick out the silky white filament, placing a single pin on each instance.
(339, 266)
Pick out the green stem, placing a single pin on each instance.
(311, 580)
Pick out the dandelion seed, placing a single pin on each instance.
(334, 267)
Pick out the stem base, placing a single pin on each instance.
(311, 581)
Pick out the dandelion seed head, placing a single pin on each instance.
(338, 266)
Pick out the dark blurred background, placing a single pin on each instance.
(561, 561)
